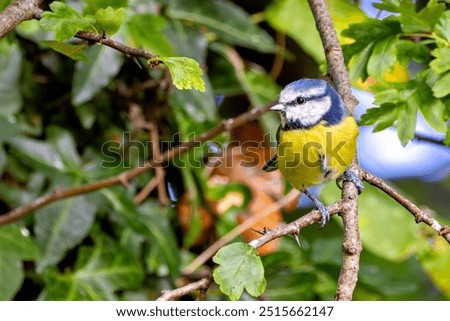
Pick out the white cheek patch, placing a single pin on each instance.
(310, 113)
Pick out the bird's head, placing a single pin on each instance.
(307, 102)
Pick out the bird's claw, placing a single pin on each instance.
(325, 215)
(351, 176)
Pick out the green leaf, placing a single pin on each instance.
(146, 31)
(186, 72)
(75, 52)
(432, 109)
(442, 27)
(383, 116)
(91, 6)
(240, 268)
(441, 87)
(64, 21)
(61, 226)
(374, 43)
(383, 57)
(100, 271)
(109, 20)
(65, 144)
(227, 20)
(413, 21)
(442, 61)
(93, 75)
(399, 236)
(14, 248)
(295, 19)
(150, 221)
(406, 123)
(447, 137)
(10, 73)
(37, 154)
(260, 87)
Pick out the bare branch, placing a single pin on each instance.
(211, 250)
(333, 52)
(168, 155)
(419, 215)
(17, 12)
(170, 295)
(94, 37)
(352, 245)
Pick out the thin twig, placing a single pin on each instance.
(158, 180)
(17, 12)
(213, 248)
(419, 214)
(94, 37)
(351, 246)
(126, 176)
(269, 235)
(170, 295)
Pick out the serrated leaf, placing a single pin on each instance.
(383, 57)
(109, 20)
(441, 87)
(406, 123)
(240, 268)
(64, 21)
(442, 61)
(91, 6)
(432, 109)
(186, 72)
(75, 52)
(442, 27)
(146, 31)
(383, 116)
(413, 21)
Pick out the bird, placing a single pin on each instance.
(316, 140)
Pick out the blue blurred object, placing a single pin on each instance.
(383, 155)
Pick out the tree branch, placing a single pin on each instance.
(419, 215)
(168, 155)
(170, 295)
(211, 250)
(17, 12)
(94, 37)
(352, 245)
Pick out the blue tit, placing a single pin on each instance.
(316, 138)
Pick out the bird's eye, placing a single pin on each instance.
(300, 100)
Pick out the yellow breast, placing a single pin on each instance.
(318, 154)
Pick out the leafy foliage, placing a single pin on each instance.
(410, 36)
(239, 268)
(64, 21)
(74, 112)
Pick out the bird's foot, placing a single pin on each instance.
(322, 209)
(350, 176)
